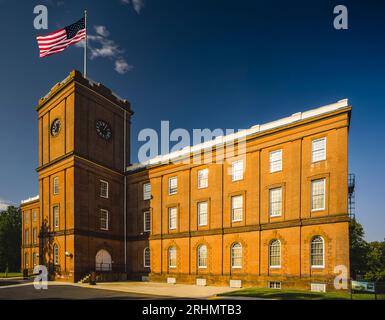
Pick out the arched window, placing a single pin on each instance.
(236, 255)
(172, 257)
(317, 252)
(202, 256)
(55, 254)
(146, 257)
(275, 253)
(103, 260)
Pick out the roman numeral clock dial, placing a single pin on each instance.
(103, 129)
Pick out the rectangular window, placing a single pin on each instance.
(202, 213)
(318, 148)
(56, 216)
(236, 208)
(275, 202)
(147, 221)
(26, 260)
(274, 285)
(104, 219)
(56, 185)
(34, 236)
(34, 215)
(275, 161)
(26, 217)
(104, 189)
(34, 262)
(172, 185)
(203, 178)
(318, 195)
(26, 236)
(172, 216)
(147, 191)
(237, 170)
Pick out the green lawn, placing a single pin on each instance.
(292, 294)
(10, 274)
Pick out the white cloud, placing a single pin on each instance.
(101, 46)
(136, 4)
(4, 204)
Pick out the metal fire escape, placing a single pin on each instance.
(351, 195)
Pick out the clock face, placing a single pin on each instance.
(55, 127)
(103, 129)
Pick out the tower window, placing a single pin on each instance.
(318, 149)
(104, 186)
(104, 223)
(147, 191)
(275, 161)
(56, 185)
(203, 178)
(172, 185)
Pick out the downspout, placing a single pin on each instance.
(125, 191)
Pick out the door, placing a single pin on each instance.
(103, 261)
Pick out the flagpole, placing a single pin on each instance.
(85, 46)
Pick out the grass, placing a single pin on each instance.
(292, 294)
(10, 274)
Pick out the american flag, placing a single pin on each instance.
(59, 40)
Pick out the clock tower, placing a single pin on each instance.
(84, 134)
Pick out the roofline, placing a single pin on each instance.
(245, 133)
(30, 200)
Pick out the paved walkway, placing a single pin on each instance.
(161, 289)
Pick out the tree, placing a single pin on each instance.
(376, 261)
(359, 249)
(10, 239)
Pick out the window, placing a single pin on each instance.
(275, 161)
(202, 256)
(56, 185)
(172, 185)
(34, 262)
(104, 219)
(104, 189)
(172, 257)
(34, 215)
(26, 217)
(275, 254)
(203, 178)
(146, 258)
(26, 260)
(317, 252)
(34, 236)
(274, 285)
(26, 236)
(172, 216)
(318, 148)
(202, 213)
(55, 254)
(237, 170)
(236, 255)
(56, 216)
(147, 221)
(275, 202)
(147, 191)
(236, 208)
(318, 195)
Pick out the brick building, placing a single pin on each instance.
(273, 215)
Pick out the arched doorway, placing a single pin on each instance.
(103, 261)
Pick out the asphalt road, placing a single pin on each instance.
(63, 292)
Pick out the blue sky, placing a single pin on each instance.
(204, 63)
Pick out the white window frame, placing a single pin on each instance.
(236, 173)
(104, 186)
(274, 284)
(146, 218)
(34, 215)
(274, 164)
(202, 261)
(56, 185)
(280, 254)
(323, 253)
(313, 151)
(172, 191)
(174, 251)
(56, 254)
(233, 219)
(200, 214)
(170, 211)
(56, 216)
(232, 258)
(147, 191)
(105, 218)
(271, 191)
(203, 178)
(146, 254)
(312, 195)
